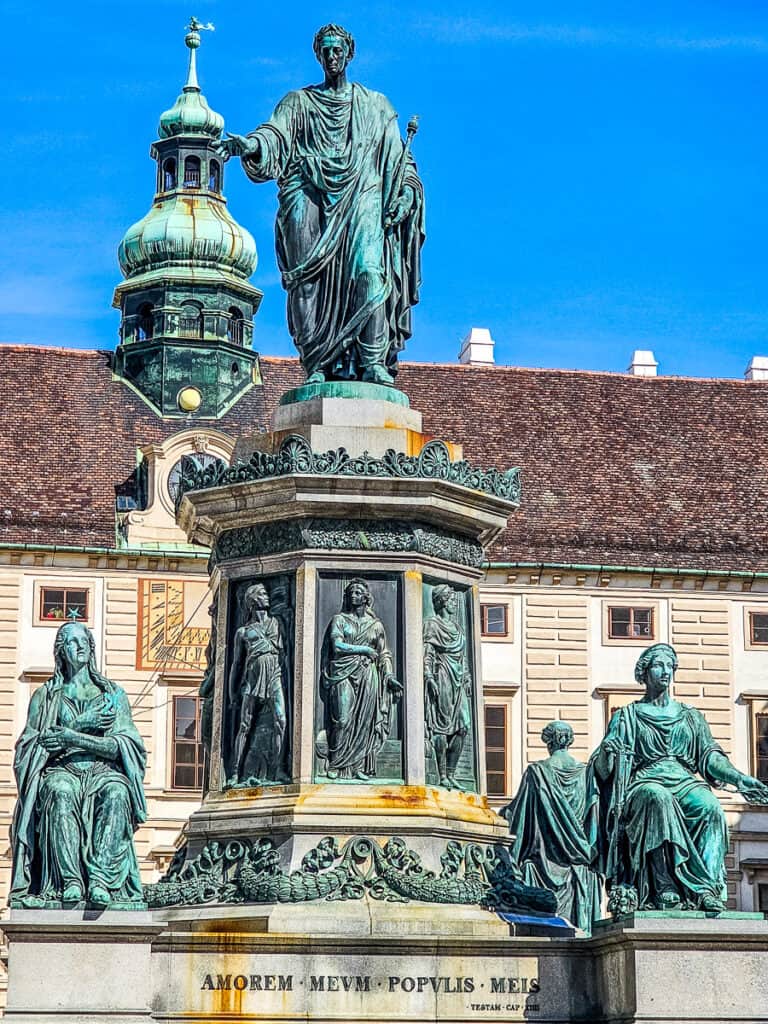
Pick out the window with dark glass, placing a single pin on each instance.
(762, 898)
(758, 627)
(496, 749)
(192, 172)
(493, 620)
(169, 174)
(146, 323)
(235, 325)
(761, 746)
(214, 176)
(187, 749)
(626, 623)
(63, 603)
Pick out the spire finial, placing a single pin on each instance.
(192, 40)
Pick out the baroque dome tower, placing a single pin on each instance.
(186, 304)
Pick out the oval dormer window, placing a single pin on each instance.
(192, 172)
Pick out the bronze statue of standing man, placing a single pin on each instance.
(350, 225)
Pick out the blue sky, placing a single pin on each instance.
(596, 175)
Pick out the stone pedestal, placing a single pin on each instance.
(377, 961)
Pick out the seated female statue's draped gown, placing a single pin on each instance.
(653, 800)
(77, 812)
(336, 159)
(358, 702)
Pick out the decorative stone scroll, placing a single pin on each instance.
(250, 872)
(393, 535)
(295, 456)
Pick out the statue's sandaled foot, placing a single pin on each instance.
(332, 773)
(712, 904)
(72, 895)
(99, 896)
(445, 782)
(378, 375)
(668, 900)
(454, 784)
(362, 776)
(318, 377)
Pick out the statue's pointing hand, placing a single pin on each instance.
(236, 145)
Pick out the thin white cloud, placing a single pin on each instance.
(475, 30)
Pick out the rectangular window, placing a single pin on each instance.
(187, 759)
(758, 628)
(493, 620)
(625, 623)
(762, 898)
(60, 603)
(761, 746)
(496, 749)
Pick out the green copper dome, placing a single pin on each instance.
(190, 114)
(181, 230)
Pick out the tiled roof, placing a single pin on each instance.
(616, 470)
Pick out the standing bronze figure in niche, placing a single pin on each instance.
(358, 688)
(447, 685)
(351, 220)
(79, 767)
(256, 684)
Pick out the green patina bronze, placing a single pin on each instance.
(345, 389)
(663, 835)
(448, 687)
(256, 695)
(358, 689)
(295, 455)
(186, 304)
(553, 821)
(394, 535)
(350, 224)
(251, 872)
(79, 767)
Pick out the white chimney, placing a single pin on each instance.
(477, 348)
(643, 363)
(757, 369)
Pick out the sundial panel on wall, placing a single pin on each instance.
(174, 627)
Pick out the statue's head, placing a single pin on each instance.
(443, 596)
(256, 598)
(557, 736)
(356, 593)
(656, 666)
(334, 47)
(73, 647)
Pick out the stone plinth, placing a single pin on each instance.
(380, 962)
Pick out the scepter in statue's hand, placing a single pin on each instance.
(401, 206)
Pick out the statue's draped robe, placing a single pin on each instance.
(263, 684)
(553, 823)
(446, 709)
(76, 810)
(654, 800)
(336, 163)
(357, 699)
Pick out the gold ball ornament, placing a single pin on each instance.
(189, 399)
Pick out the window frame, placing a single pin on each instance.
(198, 765)
(749, 611)
(37, 609)
(757, 703)
(616, 697)
(633, 605)
(505, 637)
(506, 706)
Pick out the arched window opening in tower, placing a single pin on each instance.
(191, 321)
(192, 172)
(169, 174)
(214, 176)
(235, 326)
(145, 325)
